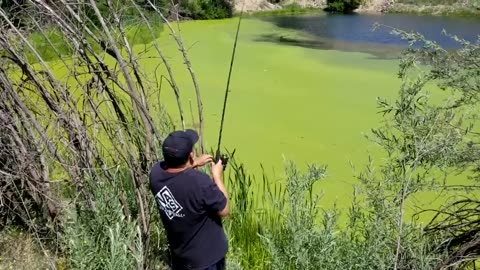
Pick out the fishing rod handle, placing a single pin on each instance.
(223, 158)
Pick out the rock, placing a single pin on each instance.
(376, 6)
(308, 3)
(254, 5)
(260, 5)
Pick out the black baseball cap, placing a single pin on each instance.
(177, 146)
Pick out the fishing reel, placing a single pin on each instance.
(223, 157)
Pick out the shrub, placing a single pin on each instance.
(343, 6)
(206, 9)
(433, 129)
(48, 43)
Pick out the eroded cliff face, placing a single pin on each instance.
(259, 5)
(374, 6)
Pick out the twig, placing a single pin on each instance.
(6, 173)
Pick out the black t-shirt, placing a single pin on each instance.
(189, 203)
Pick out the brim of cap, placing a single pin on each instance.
(192, 135)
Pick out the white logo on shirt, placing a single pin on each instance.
(168, 203)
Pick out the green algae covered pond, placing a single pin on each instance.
(302, 89)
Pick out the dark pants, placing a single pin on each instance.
(220, 265)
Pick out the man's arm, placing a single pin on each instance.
(217, 173)
(214, 193)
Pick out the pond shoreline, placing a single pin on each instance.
(264, 7)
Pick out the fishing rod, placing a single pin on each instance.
(218, 156)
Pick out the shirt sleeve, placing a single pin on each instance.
(213, 199)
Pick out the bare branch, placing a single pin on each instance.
(179, 41)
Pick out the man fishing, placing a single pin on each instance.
(191, 204)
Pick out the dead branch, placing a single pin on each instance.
(179, 41)
(172, 80)
(459, 223)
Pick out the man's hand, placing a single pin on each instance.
(202, 160)
(217, 170)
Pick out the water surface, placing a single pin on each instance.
(356, 32)
(308, 103)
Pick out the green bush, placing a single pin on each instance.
(343, 6)
(49, 45)
(206, 9)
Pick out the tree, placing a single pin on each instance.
(432, 127)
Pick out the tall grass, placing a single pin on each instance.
(110, 239)
(105, 240)
(279, 229)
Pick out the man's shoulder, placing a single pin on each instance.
(155, 169)
(153, 174)
(199, 176)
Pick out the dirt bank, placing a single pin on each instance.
(371, 6)
(376, 6)
(262, 5)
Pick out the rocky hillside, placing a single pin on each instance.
(376, 6)
(260, 5)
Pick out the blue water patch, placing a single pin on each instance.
(358, 28)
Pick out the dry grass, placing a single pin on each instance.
(458, 9)
(19, 250)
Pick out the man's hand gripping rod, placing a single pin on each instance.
(218, 156)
